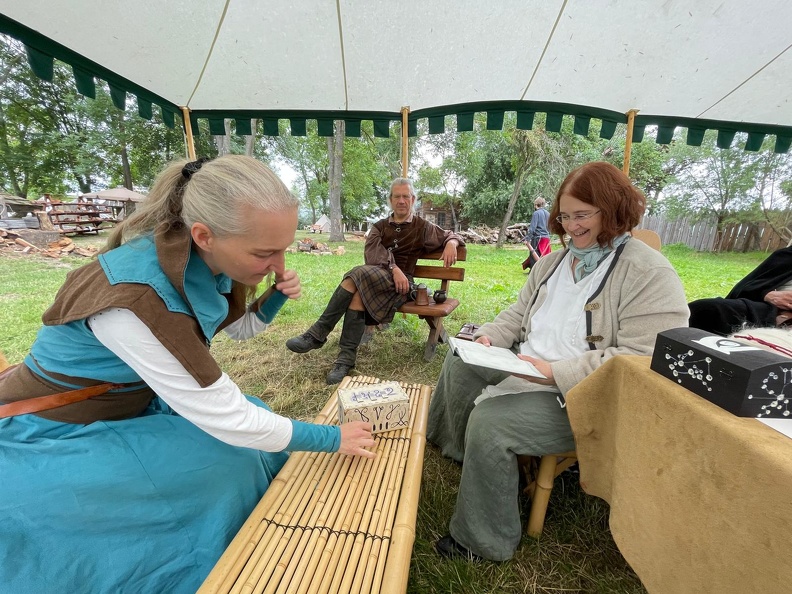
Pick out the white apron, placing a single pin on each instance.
(558, 328)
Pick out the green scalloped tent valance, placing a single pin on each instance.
(495, 111)
(42, 52)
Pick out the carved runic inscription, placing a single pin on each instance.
(385, 405)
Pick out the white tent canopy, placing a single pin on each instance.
(709, 64)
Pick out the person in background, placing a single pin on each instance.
(604, 295)
(370, 294)
(538, 237)
(141, 488)
(762, 298)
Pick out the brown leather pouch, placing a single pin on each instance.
(467, 331)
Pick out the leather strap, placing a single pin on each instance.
(40, 403)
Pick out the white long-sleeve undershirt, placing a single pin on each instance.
(220, 409)
(246, 327)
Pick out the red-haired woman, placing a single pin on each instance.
(604, 295)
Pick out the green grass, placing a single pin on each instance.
(576, 552)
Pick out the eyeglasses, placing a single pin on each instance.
(577, 218)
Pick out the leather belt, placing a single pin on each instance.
(40, 403)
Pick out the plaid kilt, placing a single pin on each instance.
(377, 291)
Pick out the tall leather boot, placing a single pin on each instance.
(351, 333)
(316, 335)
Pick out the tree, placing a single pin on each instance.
(774, 191)
(488, 176)
(442, 168)
(718, 184)
(31, 146)
(541, 157)
(652, 166)
(53, 140)
(307, 155)
(335, 151)
(227, 143)
(515, 166)
(367, 164)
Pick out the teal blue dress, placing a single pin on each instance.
(146, 504)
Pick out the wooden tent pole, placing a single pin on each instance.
(628, 140)
(188, 132)
(405, 154)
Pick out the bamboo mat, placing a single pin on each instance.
(331, 523)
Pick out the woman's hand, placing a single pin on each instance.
(289, 284)
(355, 436)
(450, 254)
(483, 340)
(401, 281)
(543, 367)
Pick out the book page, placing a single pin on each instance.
(781, 425)
(475, 353)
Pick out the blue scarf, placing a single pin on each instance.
(589, 258)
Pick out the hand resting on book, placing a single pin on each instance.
(541, 365)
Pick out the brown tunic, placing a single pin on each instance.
(394, 244)
(87, 291)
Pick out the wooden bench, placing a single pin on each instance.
(331, 523)
(435, 312)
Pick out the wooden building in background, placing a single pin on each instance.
(440, 215)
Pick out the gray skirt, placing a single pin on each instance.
(487, 439)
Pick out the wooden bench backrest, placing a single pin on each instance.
(441, 273)
(649, 237)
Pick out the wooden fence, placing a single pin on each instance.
(702, 235)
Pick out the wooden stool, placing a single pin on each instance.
(541, 473)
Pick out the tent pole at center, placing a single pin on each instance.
(405, 155)
(628, 140)
(188, 133)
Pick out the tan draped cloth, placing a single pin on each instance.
(701, 500)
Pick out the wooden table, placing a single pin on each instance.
(701, 500)
(334, 523)
(78, 221)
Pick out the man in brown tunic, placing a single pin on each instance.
(371, 294)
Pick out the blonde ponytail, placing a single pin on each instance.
(212, 192)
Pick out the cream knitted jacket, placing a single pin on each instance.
(641, 296)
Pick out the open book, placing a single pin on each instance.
(475, 353)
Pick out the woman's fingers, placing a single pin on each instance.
(355, 436)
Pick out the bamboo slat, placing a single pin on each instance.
(339, 544)
(241, 547)
(331, 523)
(403, 534)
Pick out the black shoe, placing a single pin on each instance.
(337, 373)
(451, 549)
(304, 343)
